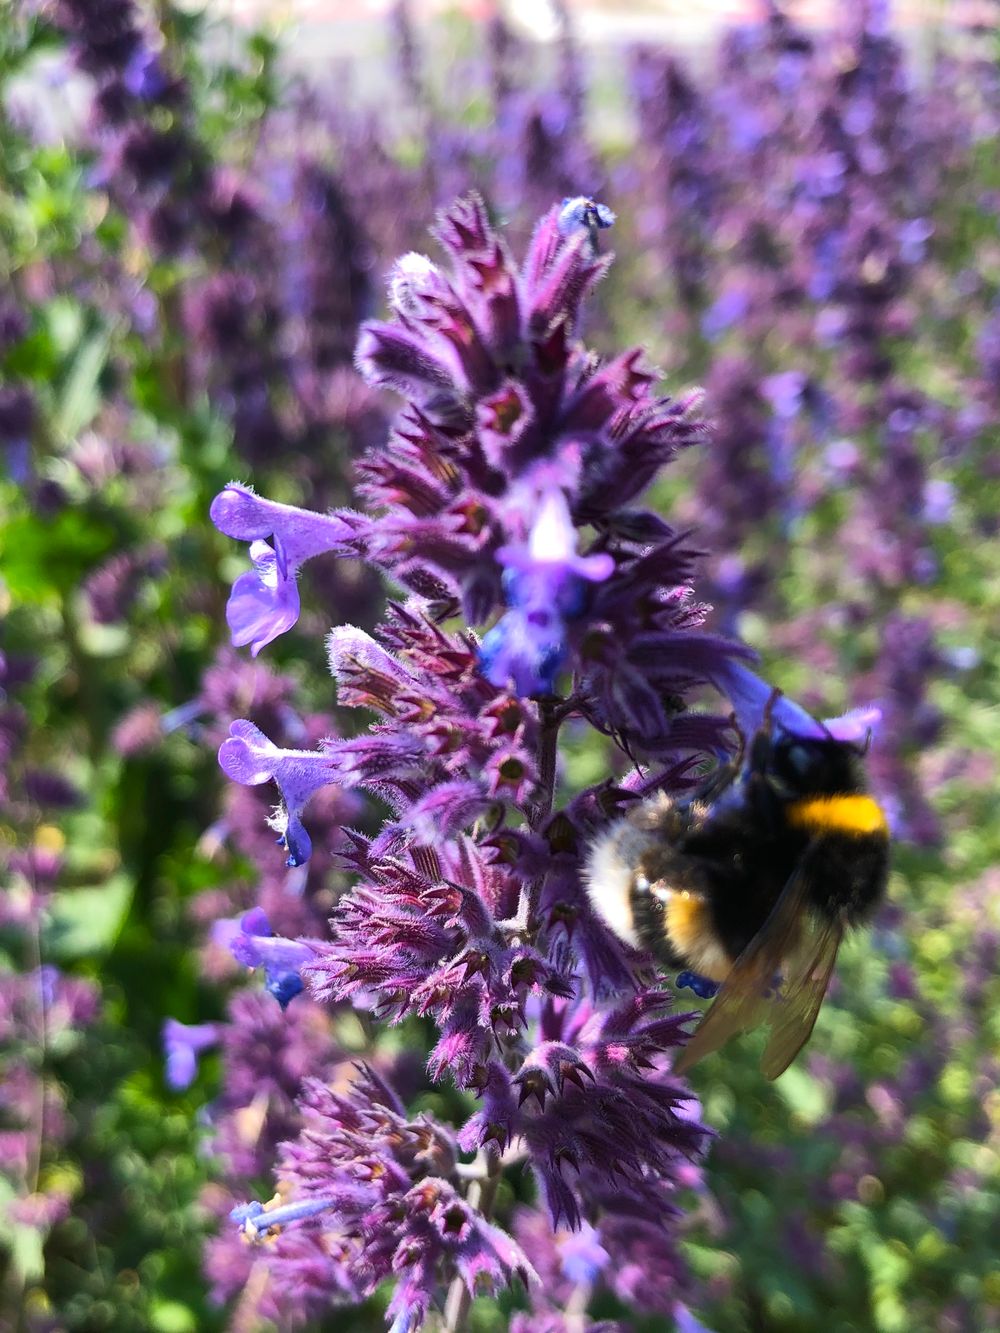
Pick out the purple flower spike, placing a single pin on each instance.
(750, 696)
(545, 583)
(281, 959)
(379, 1196)
(264, 602)
(248, 757)
(182, 1044)
(468, 907)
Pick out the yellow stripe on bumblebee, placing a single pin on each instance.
(855, 814)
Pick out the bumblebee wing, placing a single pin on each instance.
(793, 1017)
(742, 1002)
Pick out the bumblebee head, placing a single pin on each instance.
(794, 765)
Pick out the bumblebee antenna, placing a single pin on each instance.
(767, 723)
(761, 746)
(741, 748)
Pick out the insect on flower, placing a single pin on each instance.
(753, 882)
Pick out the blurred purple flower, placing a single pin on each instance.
(105, 32)
(182, 1044)
(144, 76)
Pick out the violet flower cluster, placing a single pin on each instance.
(506, 496)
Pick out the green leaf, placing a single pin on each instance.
(42, 557)
(87, 921)
(172, 1317)
(81, 396)
(805, 1096)
(24, 1242)
(26, 1252)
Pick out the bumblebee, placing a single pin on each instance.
(751, 883)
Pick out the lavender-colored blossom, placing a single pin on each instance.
(327, 278)
(907, 661)
(753, 700)
(267, 1052)
(678, 182)
(264, 602)
(248, 757)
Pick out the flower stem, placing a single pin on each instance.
(576, 1307)
(481, 1196)
(547, 752)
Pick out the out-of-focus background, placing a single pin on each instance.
(318, 28)
(197, 209)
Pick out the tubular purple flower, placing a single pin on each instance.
(583, 1257)
(255, 946)
(248, 757)
(182, 1044)
(545, 583)
(750, 697)
(255, 1219)
(264, 602)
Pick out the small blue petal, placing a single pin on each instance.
(284, 986)
(509, 581)
(298, 842)
(702, 986)
(584, 212)
(572, 596)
